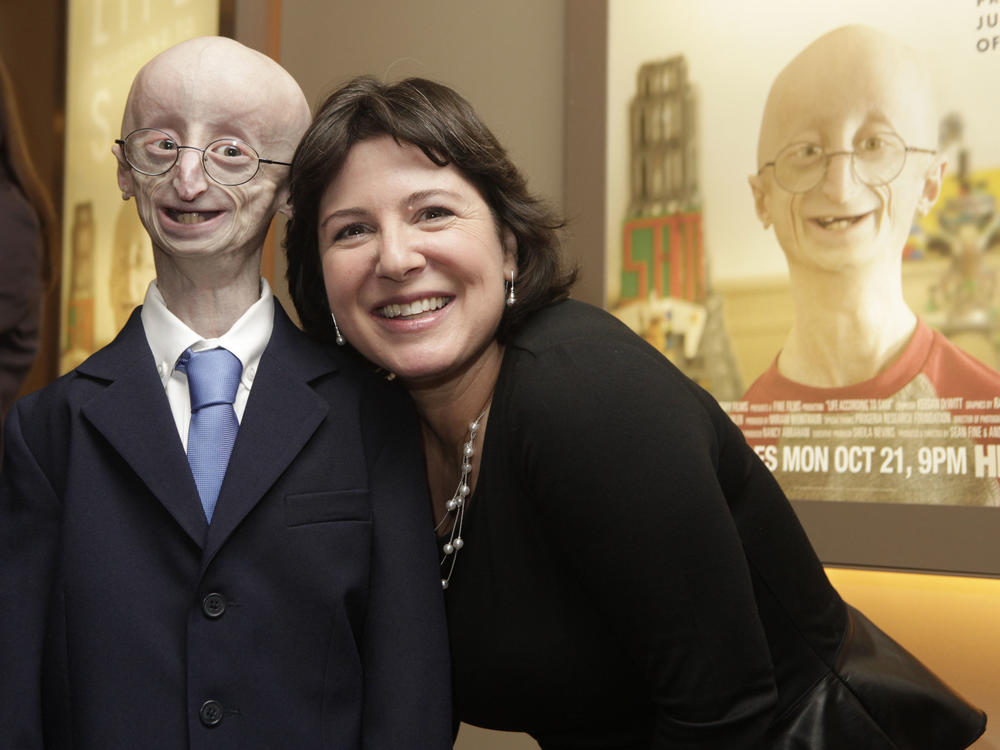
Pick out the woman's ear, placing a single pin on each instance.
(509, 252)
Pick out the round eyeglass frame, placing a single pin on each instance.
(828, 155)
(123, 142)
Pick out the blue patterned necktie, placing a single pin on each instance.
(213, 377)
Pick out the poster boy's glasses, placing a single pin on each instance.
(876, 160)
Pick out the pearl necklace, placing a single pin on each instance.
(456, 506)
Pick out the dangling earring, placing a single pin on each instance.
(339, 339)
(511, 299)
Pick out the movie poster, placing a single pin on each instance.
(805, 219)
(107, 258)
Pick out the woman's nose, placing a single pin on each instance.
(399, 253)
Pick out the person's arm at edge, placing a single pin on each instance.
(30, 513)
(21, 292)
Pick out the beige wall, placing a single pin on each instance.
(505, 58)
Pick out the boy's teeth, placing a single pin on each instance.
(832, 222)
(191, 217)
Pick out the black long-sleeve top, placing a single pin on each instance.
(632, 576)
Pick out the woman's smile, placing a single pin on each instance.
(413, 309)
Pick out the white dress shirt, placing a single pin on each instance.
(168, 337)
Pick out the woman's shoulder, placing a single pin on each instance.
(571, 322)
(579, 354)
(576, 335)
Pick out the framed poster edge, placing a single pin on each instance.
(949, 539)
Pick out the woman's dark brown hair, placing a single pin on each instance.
(17, 163)
(444, 126)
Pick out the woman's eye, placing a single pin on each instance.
(435, 212)
(351, 230)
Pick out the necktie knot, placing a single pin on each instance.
(213, 376)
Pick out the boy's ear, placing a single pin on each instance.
(284, 200)
(125, 175)
(759, 191)
(932, 185)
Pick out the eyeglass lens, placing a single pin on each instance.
(228, 161)
(876, 160)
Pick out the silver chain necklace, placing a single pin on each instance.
(455, 508)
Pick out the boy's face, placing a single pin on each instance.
(842, 94)
(196, 94)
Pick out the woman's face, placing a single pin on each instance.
(413, 263)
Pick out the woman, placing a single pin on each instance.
(28, 229)
(620, 569)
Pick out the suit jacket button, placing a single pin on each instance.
(213, 605)
(210, 713)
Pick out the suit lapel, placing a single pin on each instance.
(133, 415)
(282, 413)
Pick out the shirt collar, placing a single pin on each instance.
(169, 336)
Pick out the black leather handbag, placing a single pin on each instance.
(877, 696)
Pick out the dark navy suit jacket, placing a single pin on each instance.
(307, 615)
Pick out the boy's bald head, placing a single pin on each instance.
(216, 73)
(847, 71)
